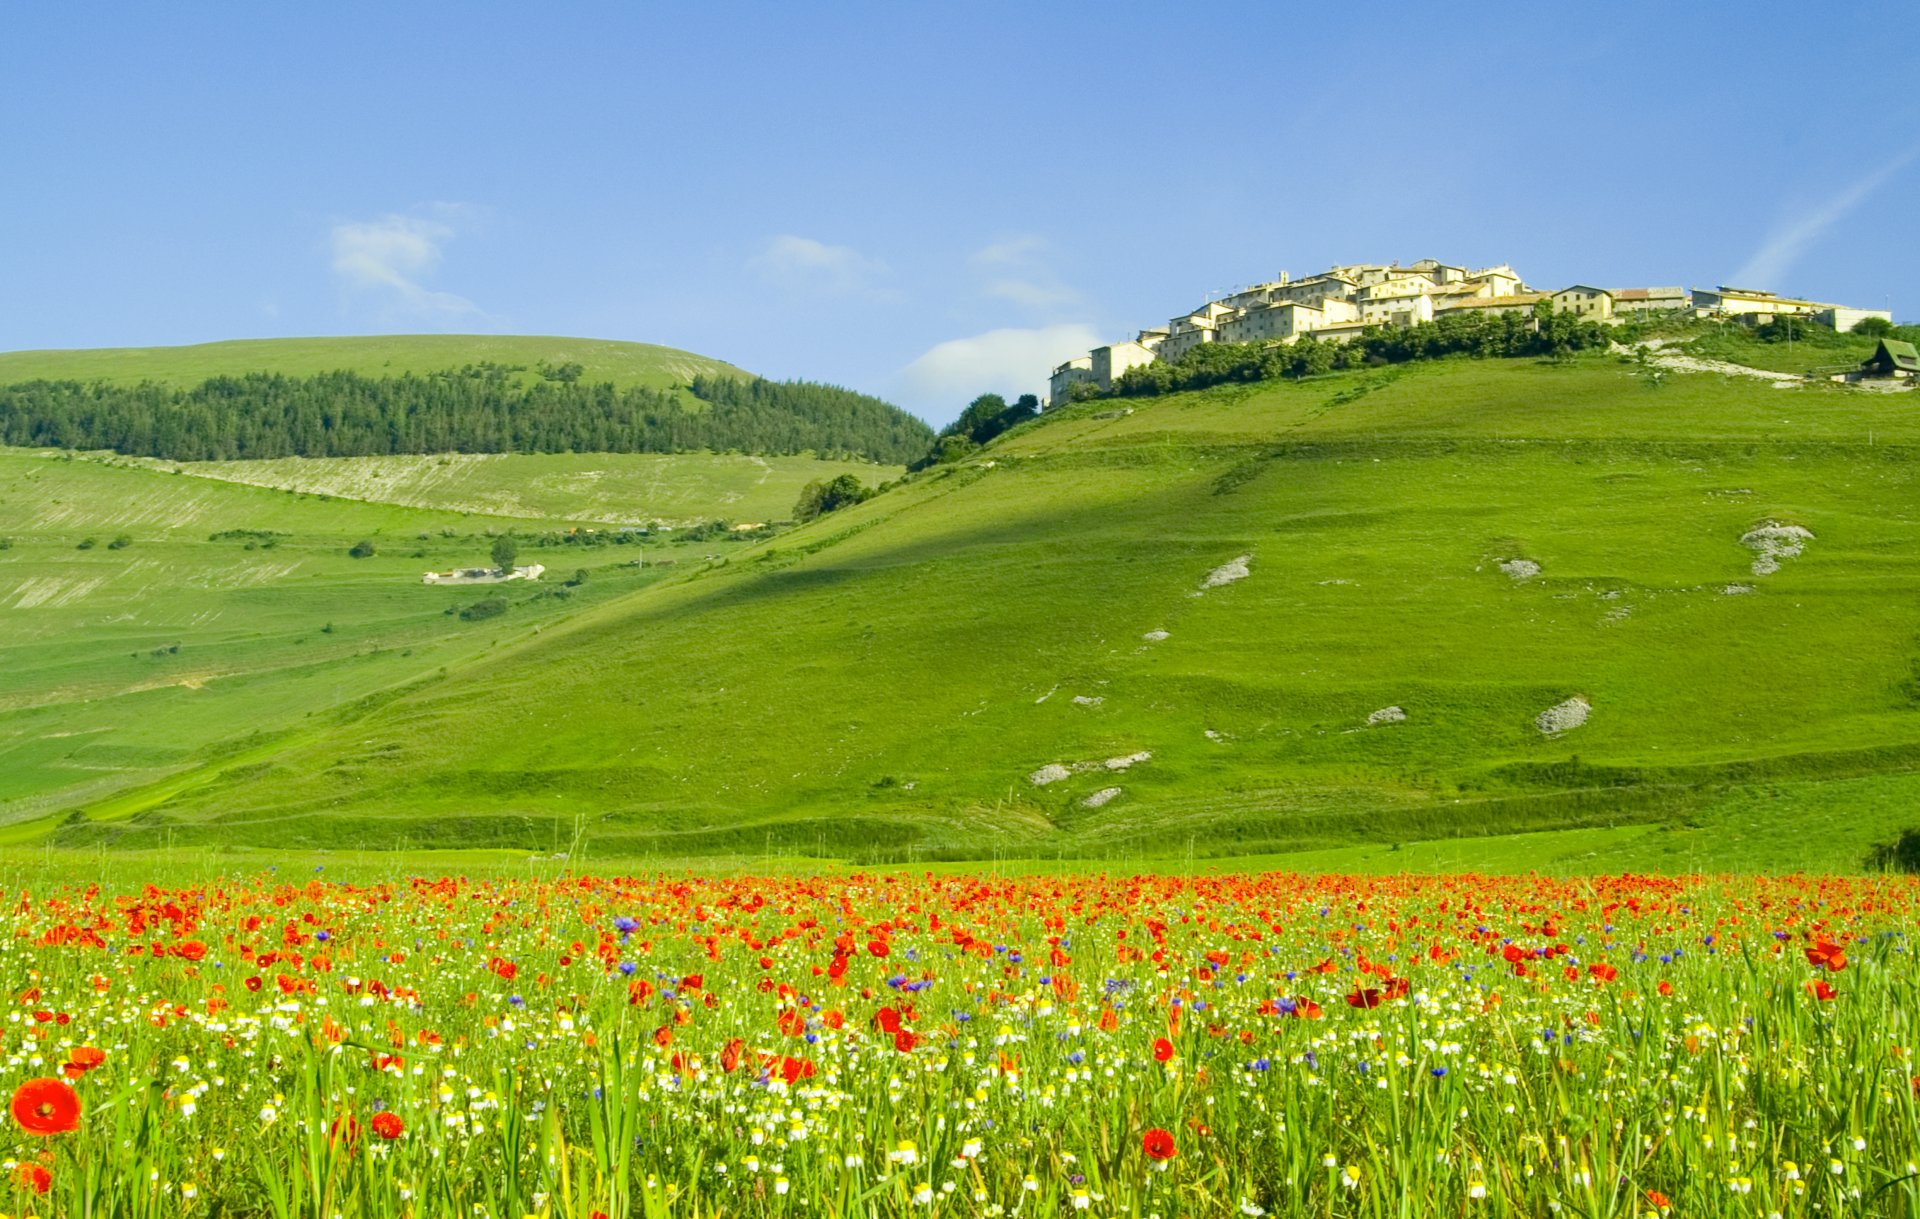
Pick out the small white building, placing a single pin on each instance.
(1843, 319)
(1109, 363)
(1065, 377)
(482, 575)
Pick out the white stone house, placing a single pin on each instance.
(1060, 385)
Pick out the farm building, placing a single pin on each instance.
(1891, 360)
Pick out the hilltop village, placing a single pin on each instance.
(1344, 301)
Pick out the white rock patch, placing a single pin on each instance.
(1154, 636)
(1387, 715)
(1520, 569)
(1773, 542)
(1131, 759)
(1563, 717)
(1736, 590)
(1227, 573)
(1088, 700)
(1052, 772)
(1100, 798)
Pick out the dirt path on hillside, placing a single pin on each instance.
(1679, 362)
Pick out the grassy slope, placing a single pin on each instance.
(891, 674)
(373, 355)
(93, 699)
(616, 488)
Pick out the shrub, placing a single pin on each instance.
(362, 549)
(492, 607)
(120, 543)
(87, 544)
(1873, 327)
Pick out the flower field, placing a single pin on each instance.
(919, 1044)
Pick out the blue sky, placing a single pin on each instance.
(919, 201)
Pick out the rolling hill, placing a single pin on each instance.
(1336, 614)
(155, 614)
(390, 355)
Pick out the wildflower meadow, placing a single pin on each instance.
(907, 1043)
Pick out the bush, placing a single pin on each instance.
(1873, 327)
(362, 549)
(492, 607)
(87, 544)
(1900, 855)
(818, 498)
(120, 543)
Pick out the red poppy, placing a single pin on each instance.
(344, 1129)
(46, 1107)
(34, 1178)
(387, 1124)
(904, 1041)
(730, 1055)
(82, 1059)
(887, 1020)
(1657, 1200)
(1368, 997)
(878, 948)
(1602, 972)
(1821, 991)
(1162, 1049)
(1665, 987)
(1158, 1144)
(793, 1070)
(1828, 956)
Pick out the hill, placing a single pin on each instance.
(389, 355)
(156, 615)
(1195, 612)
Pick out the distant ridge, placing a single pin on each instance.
(602, 360)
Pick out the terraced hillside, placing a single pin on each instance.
(151, 619)
(390, 355)
(1366, 608)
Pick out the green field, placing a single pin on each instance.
(390, 355)
(602, 488)
(120, 666)
(881, 684)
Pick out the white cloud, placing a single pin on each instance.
(388, 261)
(1770, 263)
(1016, 270)
(803, 263)
(1009, 361)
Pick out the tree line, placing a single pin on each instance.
(477, 409)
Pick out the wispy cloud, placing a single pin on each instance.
(1009, 361)
(1783, 247)
(388, 261)
(1017, 270)
(802, 263)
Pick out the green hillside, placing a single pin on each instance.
(154, 615)
(605, 488)
(887, 679)
(390, 355)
